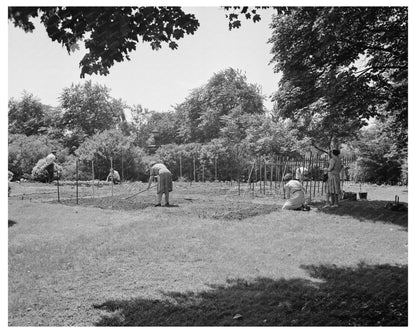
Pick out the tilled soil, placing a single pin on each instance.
(218, 209)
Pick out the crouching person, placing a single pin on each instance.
(113, 176)
(296, 192)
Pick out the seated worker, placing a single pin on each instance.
(113, 176)
(296, 194)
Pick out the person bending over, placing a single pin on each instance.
(164, 183)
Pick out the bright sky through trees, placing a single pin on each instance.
(155, 79)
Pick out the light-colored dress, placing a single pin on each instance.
(297, 195)
(300, 173)
(334, 180)
(116, 178)
(164, 183)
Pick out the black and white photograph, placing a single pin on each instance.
(206, 165)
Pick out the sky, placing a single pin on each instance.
(158, 80)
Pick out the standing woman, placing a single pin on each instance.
(164, 182)
(334, 181)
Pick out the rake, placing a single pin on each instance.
(133, 195)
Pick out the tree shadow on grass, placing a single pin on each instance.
(373, 210)
(12, 223)
(344, 296)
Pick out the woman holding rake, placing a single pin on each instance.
(164, 182)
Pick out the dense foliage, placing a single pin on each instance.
(342, 67)
(25, 151)
(376, 162)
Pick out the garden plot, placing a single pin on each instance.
(217, 201)
(218, 208)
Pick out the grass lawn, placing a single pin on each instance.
(213, 259)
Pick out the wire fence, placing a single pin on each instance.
(261, 176)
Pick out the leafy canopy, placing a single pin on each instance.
(88, 109)
(110, 34)
(204, 113)
(339, 66)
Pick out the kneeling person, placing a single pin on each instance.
(296, 194)
(113, 176)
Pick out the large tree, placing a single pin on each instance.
(204, 112)
(340, 66)
(88, 108)
(109, 34)
(28, 115)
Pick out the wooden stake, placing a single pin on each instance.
(93, 190)
(76, 180)
(194, 169)
(265, 176)
(57, 185)
(112, 181)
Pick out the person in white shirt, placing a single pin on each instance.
(113, 176)
(296, 193)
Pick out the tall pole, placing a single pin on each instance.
(122, 167)
(57, 185)
(203, 172)
(112, 177)
(215, 167)
(194, 169)
(180, 165)
(260, 174)
(76, 179)
(265, 176)
(314, 178)
(93, 190)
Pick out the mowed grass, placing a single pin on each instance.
(74, 265)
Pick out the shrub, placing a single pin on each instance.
(26, 151)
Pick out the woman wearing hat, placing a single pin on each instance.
(296, 193)
(334, 181)
(164, 182)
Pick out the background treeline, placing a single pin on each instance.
(344, 83)
(221, 126)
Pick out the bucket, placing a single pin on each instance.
(363, 195)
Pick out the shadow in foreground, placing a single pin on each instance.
(360, 296)
(373, 210)
(12, 223)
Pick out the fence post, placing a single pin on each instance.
(112, 181)
(259, 159)
(314, 178)
(203, 172)
(265, 176)
(76, 179)
(194, 169)
(122, 167)
(57, 185)
(93, 190)
(215, 167)
(180, 165)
